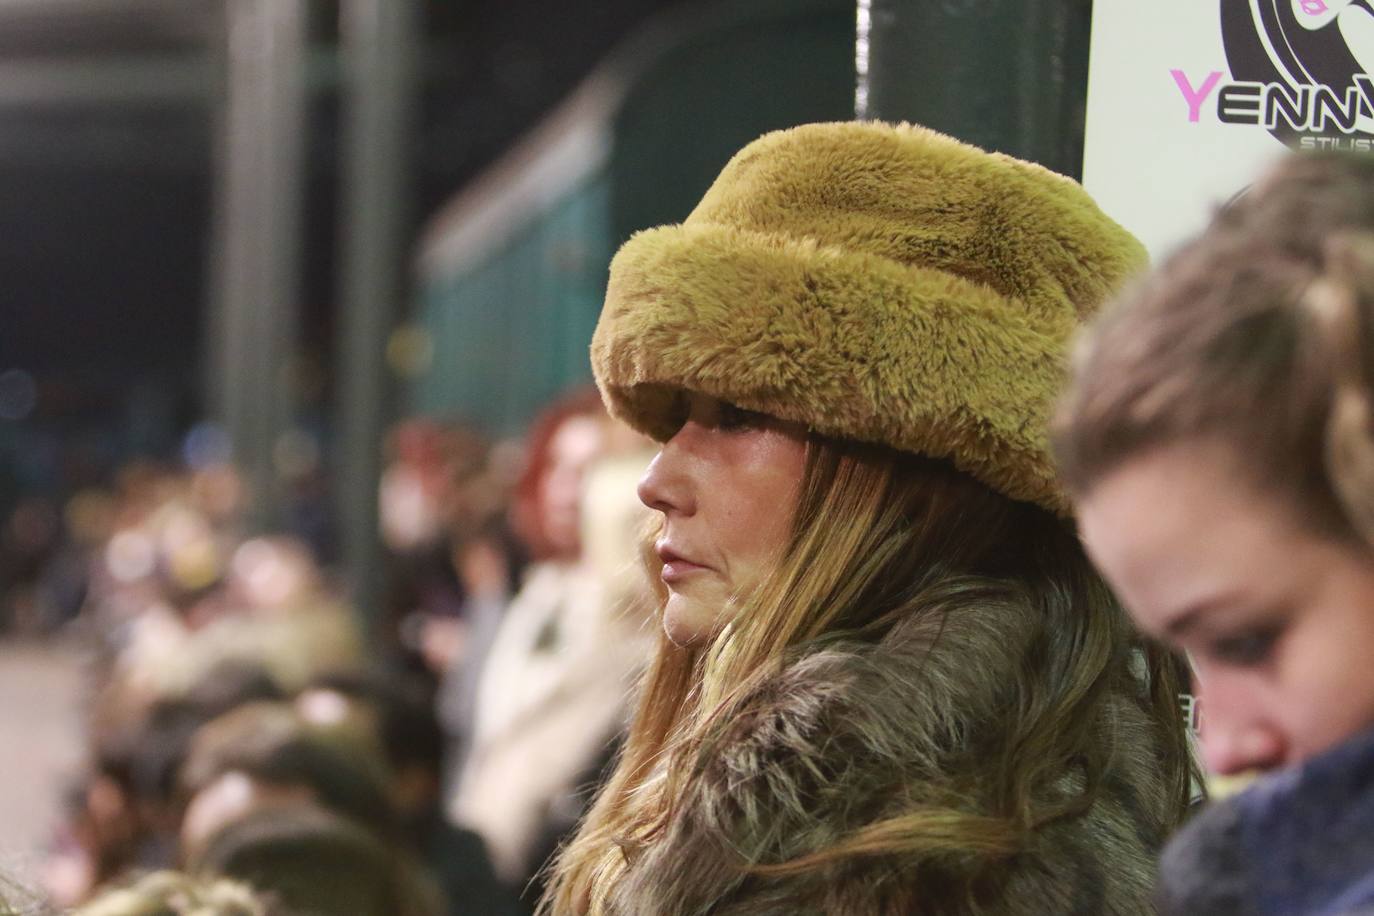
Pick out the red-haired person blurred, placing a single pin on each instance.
(543, 697)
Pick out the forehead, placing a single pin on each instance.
(1164, 480)
(1178, 522)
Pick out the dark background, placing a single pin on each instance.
(106, 204)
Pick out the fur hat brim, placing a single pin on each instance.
(852, 346)
(875, 282)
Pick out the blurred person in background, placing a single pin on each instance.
(160, 677)
(1219, 439)
(128, 809)
(169, 893)
(160, 572)
(362, 748)
(30, 542)
(485, 567)
(187, 621)
(401, 711)
(308, 782)
(424, 494)
(268, 763)
(264, 754)
(541, 707)
(415, 484)
(191, 622)
(310, 860)
(264, 603)
(486, 558)
(887, 678)
(87, 519)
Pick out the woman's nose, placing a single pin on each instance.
(1230, 751)
(664, 486)
(1237, 735)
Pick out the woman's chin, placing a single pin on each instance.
(688, 621)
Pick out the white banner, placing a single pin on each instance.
(1188, 100)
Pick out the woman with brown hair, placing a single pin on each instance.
(888, 680)
(1218, 438)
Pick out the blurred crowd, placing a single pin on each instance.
(259, 743)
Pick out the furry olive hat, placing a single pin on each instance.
(883, 283)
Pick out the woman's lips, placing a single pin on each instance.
(675, 566)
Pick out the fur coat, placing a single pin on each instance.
(853, 733)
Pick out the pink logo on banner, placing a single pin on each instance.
(1195, 97)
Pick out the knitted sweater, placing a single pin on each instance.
(1300, 841)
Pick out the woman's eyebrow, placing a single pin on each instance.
(1187, 620)
(1184, 623)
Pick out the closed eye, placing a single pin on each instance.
(1245, 648)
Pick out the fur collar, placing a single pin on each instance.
(848, 734)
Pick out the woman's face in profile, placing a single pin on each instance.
(727, 484)
(1277, 620)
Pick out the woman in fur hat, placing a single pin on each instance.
(888, 681)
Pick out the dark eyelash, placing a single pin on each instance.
(1246, 648)
(732, 418)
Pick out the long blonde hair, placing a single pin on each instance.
(879, 536)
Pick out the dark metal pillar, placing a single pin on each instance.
(1007, 75)
(257, 259)
(379, 52)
